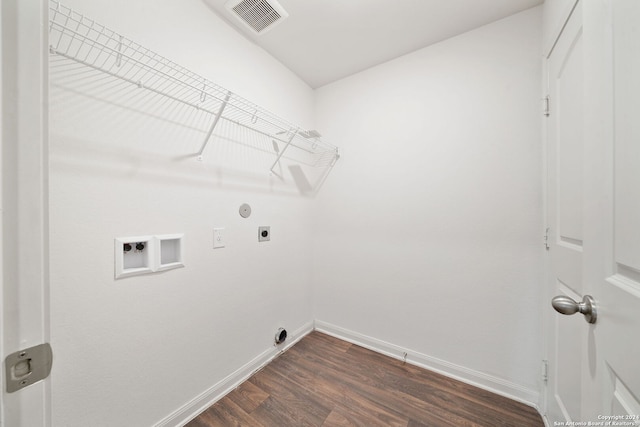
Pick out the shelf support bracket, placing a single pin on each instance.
(213, 125)
(336, 156)
(203, 93)
(293, 135)
(119, 55)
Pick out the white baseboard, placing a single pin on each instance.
(479, 379)
(193, 408)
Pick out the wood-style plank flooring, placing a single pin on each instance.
(323, 381)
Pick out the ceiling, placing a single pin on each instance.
(325, 40)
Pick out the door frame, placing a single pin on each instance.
(546, 319)
(24, 285)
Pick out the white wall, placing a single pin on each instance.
(428, 232)
(132, 351)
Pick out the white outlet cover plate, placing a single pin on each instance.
(218, 238)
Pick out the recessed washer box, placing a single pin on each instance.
(133, 255)
(170, 253)
(147, 254)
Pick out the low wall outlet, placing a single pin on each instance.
(218, 238)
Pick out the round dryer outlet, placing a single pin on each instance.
(281, 335)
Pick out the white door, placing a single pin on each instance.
(565, 147)
(593, 206)
(23, 207)
(614, 346)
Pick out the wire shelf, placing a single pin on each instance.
(83, 40)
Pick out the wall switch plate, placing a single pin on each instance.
(264, 233)
(218, 238)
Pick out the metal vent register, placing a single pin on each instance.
(259, 15)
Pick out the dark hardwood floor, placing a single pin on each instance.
(323, 381)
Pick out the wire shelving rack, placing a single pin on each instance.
(85, 41)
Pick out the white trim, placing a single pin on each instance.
(200, 403)
(2, 352)
(25, 204)
(544, 294)
(479, 379)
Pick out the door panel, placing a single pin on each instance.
(619, 331)
(567, 372)
(617, 339)
(627, 131)
(567, 92)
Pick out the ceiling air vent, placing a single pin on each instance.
(259, 15)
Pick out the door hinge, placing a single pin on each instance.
(546, 238)
(544, 371)
(545, 107)
(28, 366)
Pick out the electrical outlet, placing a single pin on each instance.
(264, 233)
(218, 238)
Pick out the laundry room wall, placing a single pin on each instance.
(428, 234)
(150, 349)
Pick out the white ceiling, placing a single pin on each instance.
(325, 40)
